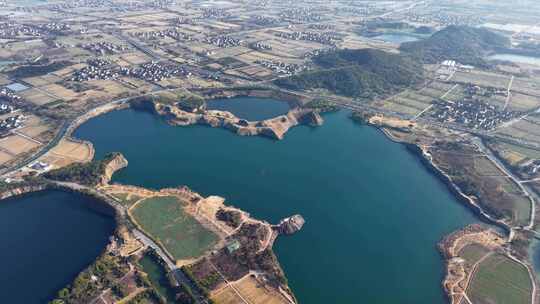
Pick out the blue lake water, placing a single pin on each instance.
(373, 213)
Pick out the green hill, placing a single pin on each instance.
(357, 73)
(467, 45)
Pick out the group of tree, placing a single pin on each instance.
(364, 73)
(464, 44)
(88, 174)
(367, 73)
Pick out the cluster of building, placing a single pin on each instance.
(215, 13)
(264, 20)
(474, 114)
(5, 108)
(356, 10)
(171, 33)
(7, 95)
(12, 30)
(183, 20)
(473, 90)
(154, 71)
(317, 52)
(444, 19)
(104, 48)
(54, 27)
(10, 123)
(113, 6)
(222, 41)
(327, 38)
(303, 14)
(282, 68)
(97, 69)
(321, 26)
(260, 46)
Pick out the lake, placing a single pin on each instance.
(516, 58)
(373, 213)
(397, 38)
(250, 108)
(47, 238)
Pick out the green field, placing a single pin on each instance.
(164, 219)
(472, 253)
(500, 280)
(127, 199)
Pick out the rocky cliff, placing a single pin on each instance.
(20, 190)
(273, 128)
(114, 164)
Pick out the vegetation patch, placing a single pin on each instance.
(37, 70)
(500, 280)
(232, 218)
(88, 284)
(464, 44)
(165, 220)
(362, 73)
(89, 174)
(322, 105)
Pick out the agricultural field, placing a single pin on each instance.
(522, 102)
(68, 152)
(514, 155)
(474, 174)
(527, 129)
(127, 199)
(473, 253)
(249, 289)
(165, 220)
(483, 79)
(500, 280)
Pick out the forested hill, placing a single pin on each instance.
(467, 45)
(357, 73)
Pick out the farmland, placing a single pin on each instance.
(164, 219)
(500, 280)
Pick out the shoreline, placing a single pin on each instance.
(469, 202)
(412, 148)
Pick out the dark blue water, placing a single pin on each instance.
(374, 213)
(47, 239)
(250, 108)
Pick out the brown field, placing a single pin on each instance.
(42, 80)
(5, 157)
(395, 106)
(68, 70)
(68, 152)
(528, 129)
(484, 79)
(16, 144)
(60, 91)
(135, 58)
(34, 127)
(36, 97)
(227, 296)
(522, 102)
(251, 290)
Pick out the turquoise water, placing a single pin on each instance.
(396, 38)
(250, 108)
(47, 239)
(373, 213)
(516, 58)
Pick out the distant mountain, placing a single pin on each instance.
(357, 73)
(467, 45)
